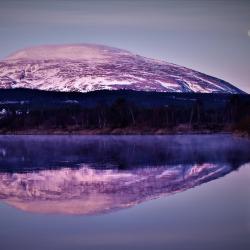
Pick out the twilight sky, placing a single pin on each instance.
(211, 36)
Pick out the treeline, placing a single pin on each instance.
(195, 114)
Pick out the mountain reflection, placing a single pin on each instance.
(90, 191)
(99, 174)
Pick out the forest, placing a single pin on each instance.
(122, 112)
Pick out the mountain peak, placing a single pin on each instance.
(66, 52)
(90, 67)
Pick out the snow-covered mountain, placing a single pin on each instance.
(89, 67)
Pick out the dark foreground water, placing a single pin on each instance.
(124, 192)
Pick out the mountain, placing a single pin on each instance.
(89, 67)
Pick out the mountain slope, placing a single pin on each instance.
(88, 67)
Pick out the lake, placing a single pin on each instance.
(125, 192)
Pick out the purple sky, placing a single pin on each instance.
(210, 36)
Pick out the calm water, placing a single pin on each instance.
(124, 192)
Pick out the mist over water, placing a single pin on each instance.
(29, 153)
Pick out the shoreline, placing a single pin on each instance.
(113, 132)
(124, 132)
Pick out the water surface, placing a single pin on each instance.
(124, 192)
